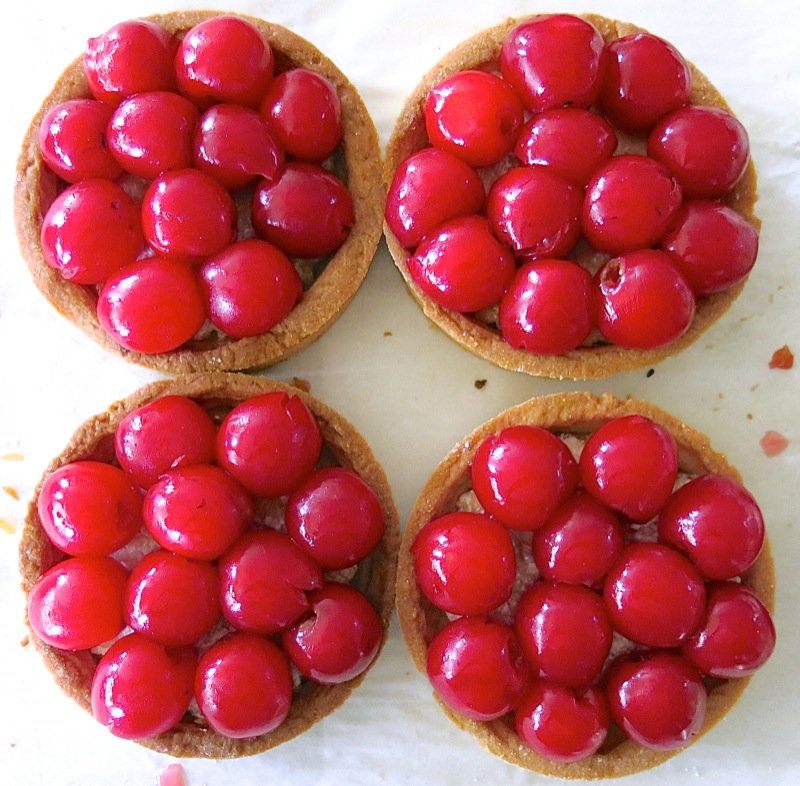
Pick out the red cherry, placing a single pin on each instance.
(477, 667)
(303, 111)
(461, 266)
(736, 636)
(249, 288)
(335, 517)
(197, 511)
(224, 59)
(572, 143)
(265, 577)
(522, 474)
(88, 507)
(712, 245)
(553, 60)
(658, 700)
(90, 230)
(150, 133)
(560, 724)
(642, 300)
(644, 78)
(171, 599)
(77, 604)
(716, 521)
(141, 690)
(243, 686)
(269, 443)
(131, 57)
(306, 211)
(705, 148)
(474, 115)
(548, 307)
(338, 639)
(630, 203)
(630, 464)
(429, 188)
(464, 563)
(151, 306)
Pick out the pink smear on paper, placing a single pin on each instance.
(172, 776)
(773, 443)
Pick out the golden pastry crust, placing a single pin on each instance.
(376, 575)
(331, 292)
(579, 413)
(586, 362)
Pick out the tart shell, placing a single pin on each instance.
(73, 671)
(581, 414)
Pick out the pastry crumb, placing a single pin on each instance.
(24, 641)
(12, 492)
(480, 383)
(388, 333)
(773, 443)
(749, 415)
(301, 384)
(782, 358)
(7, 526)
(650, 372)
(13, 457)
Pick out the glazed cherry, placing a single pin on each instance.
(630, 464)
(642, 300)
(304, 114)
(464, 563)
(522, 474)
(630, 203)
(717, 523)
(335, 517)
(151, 306)
(187, 212)
(90, 230)
(561, 724)
(243, 686)
(88, 507)
(644, 78)
(477, 667)
(654, 596)
(264, 578)
(338, 639)
(712, 245)
(736, 636)
(197, 511)
(234, 145)
(77, 604)
(207, 72)
(548, 307)
(171, 599)
(565, 632)
(474, 115)
(535, 212)
(306, 211)
(571, 142)
(553, 60)
(131, 57)
(461, 266)
(579, 543)
(429, 188)
(170, 432)
(249, 288)
(269, 443)
(150, 133)
(705, 148)
(140, 689)
(72, 140)
(658, 700)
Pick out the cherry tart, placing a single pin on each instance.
(587, 585)
(210, 564)
(593, 153)
(214, 170)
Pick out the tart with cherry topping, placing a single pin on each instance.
(210, 564)
(587, 585)
(604, 179)
(200, 192)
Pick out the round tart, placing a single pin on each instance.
(329, 280)
(515, 340)
(448, 524)
(369, 576)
